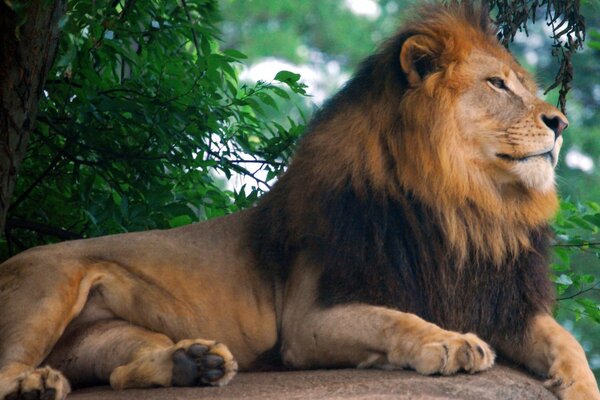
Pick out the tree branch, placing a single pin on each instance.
(55, 161)
(590, 289)
(582, 244)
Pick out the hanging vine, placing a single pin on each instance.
(568, 32)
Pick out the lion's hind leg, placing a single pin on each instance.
(129, 356)
(37, 301)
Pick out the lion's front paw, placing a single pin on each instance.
(41, 383)
(564, 383)
(450, 352)
(201, 362)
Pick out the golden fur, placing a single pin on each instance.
(409, 231)
(434, 160)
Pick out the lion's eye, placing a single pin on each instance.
(497, 83)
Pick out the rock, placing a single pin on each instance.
(499, 383)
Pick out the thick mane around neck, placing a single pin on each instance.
(381, 199)
(380, 136)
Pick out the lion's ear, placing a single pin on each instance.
(418, 58)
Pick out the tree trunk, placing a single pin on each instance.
(28, 43)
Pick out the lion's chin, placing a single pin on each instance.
(535, 174)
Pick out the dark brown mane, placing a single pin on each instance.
(392, 224)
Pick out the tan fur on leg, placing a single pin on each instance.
(365, 336)
(89, 352)
(9, 378)
(370, 336)
(553, 352)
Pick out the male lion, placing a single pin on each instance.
(415, 210)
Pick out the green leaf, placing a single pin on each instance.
(280, 92)
(180, 220)
(265, 98)
(593, 219)
(581, 222)
(238, 55)
(559, 267)
(287, 77)
(564, 254)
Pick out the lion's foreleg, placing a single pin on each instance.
(364, 336)
(552, 351)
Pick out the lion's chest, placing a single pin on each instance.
(396, 256)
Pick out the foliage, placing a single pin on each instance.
(575, 273)
(141, 110)
(568, 32)
(301, 30)
(577, 227)
(594, 41)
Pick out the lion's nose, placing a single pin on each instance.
(556, 122)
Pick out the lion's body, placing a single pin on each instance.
(410, 225)
(196, 281)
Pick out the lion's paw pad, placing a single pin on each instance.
(41, 384)
(203, 363)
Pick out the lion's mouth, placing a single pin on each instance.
(545, 155)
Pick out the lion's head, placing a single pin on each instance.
(474, 133)
(503, 132)
(515, 136)
(441, 118)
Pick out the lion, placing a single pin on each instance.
(409, 231)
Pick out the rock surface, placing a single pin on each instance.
(499, 383)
